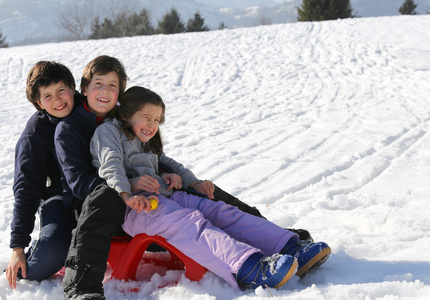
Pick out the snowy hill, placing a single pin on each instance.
(30, 21)
(322, 126)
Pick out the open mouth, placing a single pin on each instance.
(61, 107)
(104, 100)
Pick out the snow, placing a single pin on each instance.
(320, 125)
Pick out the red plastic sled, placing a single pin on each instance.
(126, 252)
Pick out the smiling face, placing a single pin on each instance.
(102, 93)
(56, 99)
(145, 122)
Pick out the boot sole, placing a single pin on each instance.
(315, 262)
(290, 274)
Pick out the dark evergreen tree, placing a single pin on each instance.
(3, 43)
(196, 24)
(171, 23)
(321, 10)
(107, 29)
(120, 25)
(139, 24)
(408, 8)
(222, 26)
(95, 29)
(135, 24)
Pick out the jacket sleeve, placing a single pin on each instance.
(74, 158)
(108, 157)
(186, 175)
(29, 182)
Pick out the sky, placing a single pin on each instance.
(37, 21)
(320, 125)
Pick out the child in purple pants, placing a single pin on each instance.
(218, 236)
(245, 250)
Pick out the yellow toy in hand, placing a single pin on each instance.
(154, 204)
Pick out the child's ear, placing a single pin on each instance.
(85, 92)
(40, 104)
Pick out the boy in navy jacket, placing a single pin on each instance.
(100, 208)
(37, 181)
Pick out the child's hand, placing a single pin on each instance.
(16, 262)
(173, 180)
(205, 187)
(145, 183)
(138, 202)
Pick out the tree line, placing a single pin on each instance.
(74, 20)
(322, 10)
(139, 24)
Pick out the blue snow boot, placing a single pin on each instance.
(266, 271)
(309, 255)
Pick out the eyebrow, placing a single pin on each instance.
(47, 93)
(100, 77)
(155, 117)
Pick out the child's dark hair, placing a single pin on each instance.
(133, 100)
(102, 65)
(43, 74)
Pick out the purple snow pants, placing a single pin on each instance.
(218, 236)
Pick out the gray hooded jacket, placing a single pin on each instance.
(119, 159)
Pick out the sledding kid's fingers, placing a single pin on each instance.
(23, 271)
(148, 204)
(12, 278)
(140, 206)
(8, 277)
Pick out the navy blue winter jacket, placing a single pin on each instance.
(72, 146)
(34, 163)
